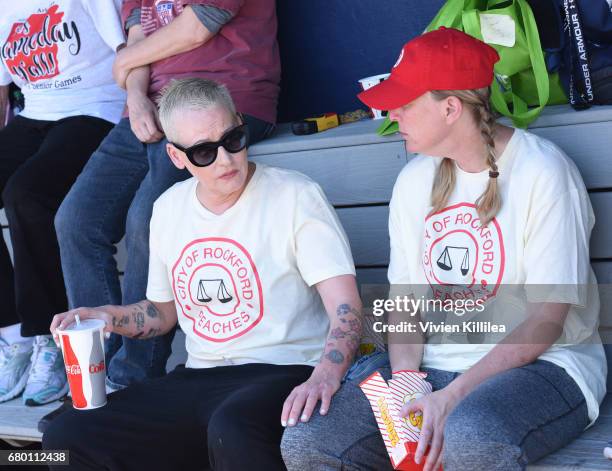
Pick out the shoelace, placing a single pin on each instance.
(40, 366)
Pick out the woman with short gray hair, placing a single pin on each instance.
(254, 265)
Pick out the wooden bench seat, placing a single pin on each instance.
(357, 170)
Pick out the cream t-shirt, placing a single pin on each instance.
(243, 281)
(539, 238)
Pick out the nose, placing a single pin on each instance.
(223, 156)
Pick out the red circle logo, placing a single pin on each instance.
(217, 287)
(463, 259)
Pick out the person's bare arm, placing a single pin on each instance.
(182, 34)
(142, 320)
(144, 119)
(405, 349)
(543, 326)
(343, 305)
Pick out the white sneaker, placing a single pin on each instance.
(14, 367)
(47, 379)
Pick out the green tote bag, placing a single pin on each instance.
(522, 85)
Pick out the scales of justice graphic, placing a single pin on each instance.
(445, 260)
(214, 289)
(222, 294)
(218, 290)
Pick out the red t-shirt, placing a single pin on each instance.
(243, 55)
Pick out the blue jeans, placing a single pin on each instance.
(114, 196)
(508, 421)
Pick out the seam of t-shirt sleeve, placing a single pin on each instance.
(330, 272)
(233, 6)
(213, 18)
(133, 18)
(159, 297)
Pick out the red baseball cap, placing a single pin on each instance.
(444, 59)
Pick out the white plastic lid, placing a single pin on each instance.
(85, 325)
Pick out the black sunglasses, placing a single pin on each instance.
(205, 153)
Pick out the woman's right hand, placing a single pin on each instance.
(63, 320)
(144, 119)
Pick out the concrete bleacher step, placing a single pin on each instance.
(18, 423)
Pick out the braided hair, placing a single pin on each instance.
(489, 203)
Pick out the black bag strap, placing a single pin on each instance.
(580, 82)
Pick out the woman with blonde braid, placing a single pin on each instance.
(488, 214)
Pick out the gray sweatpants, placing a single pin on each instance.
(512, 419)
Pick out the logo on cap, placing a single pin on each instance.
(399, 59)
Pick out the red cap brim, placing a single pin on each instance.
(389, 95)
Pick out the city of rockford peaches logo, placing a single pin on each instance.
(462, 258)
(217, 287)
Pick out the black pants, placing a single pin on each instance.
(226, 418)
(39, 162)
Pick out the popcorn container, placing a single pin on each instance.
(401, 435)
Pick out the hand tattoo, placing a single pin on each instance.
(124, 321)
(138, 317)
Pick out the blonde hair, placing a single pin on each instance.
(489, 203)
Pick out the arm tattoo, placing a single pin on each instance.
(345, 309)
(345, 337)
(335, 356)
(337, 333)
(124, 321)
(152, 311)
(138, 317)
(353, 322)
(142, 314)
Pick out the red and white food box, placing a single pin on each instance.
(401, 435)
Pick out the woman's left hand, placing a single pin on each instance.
(435, 408)
(302, 401)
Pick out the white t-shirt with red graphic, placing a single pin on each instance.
(243, 281)
(60, 53)
(539, 238)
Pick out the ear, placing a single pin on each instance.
(453, 108)
(175, 156)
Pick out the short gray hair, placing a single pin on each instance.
(191, 94)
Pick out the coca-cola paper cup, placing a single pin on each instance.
(82, 344)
